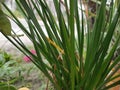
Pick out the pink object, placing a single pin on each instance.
(27, 58)
(33, 51)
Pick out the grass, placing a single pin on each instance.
(69, 72)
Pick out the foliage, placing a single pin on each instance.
(59, 54)
(7, 87)
(7, 66)
(16, 72)
(7, 71)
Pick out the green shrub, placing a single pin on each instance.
(59, 55)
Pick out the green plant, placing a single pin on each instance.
(6, 87)
(59, 54)
(8, 69)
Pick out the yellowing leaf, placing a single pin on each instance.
(5, 25)
(55, 45)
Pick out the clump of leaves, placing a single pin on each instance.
(67, 67)
(4, 86)
(8, 68)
